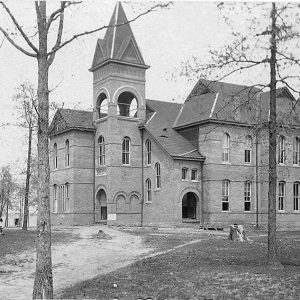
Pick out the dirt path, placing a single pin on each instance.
(83, 259)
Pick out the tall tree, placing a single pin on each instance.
(6, 188)
(43, 284)
(267, 46)
(26, 99)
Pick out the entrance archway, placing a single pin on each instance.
(101, 206)
(189, 206)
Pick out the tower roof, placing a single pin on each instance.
(118, 43)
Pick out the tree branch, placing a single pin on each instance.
(153, 8)
(19, 28)
(15, 44)
(59, 32)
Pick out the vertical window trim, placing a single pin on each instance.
(148, 152)
(247, 195)
(126, 151)
(55, 159)
(248, 150)
(67, 153)
(157, 176)
(226, 148)
(281, 150)
(225, 194)
(296, 197)
(296, 151)
(67, 197)
(281, 196)
(101, 154)
(148, 190)
(55, 200)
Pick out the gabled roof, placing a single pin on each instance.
(159, 125)
(218, 101)
(66, 119)
(118, 43)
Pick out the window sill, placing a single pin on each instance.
(247, 164)
(281, 211)
(282, 164)
(157, 190)
(296, 165)
(225, 211)
(226, 163)
(186, 180)
(195, 180)
(148, 202)
(125, 165)
(148, 166)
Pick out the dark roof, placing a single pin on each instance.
(78, 118)
(210, 100)
(67, 119)
(118, 43)
(159, 125)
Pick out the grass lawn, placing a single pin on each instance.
(213, 268)
(16, 240)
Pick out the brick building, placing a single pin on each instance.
(133, 160)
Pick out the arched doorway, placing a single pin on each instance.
(101, 206)
(189, 206)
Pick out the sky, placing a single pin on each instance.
(167, 38)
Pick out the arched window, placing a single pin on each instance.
(157, 176)
(67, 153)
(225, 195)
(148, 152)
(102, 106)
(127, 105)
(126, 151)
(281, 150)
(247, 196)
(296, 151)
(148, 190)
(248, 149)
(55, 207)
(225, 147)
(101, 157)
(296, 190)
(61, 204)
(281, 195)
(55, 156)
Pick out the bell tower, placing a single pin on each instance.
(119, 108)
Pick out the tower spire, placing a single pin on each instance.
(119, 43)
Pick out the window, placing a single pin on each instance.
(148, 190)
(55, 198)
(248, 148)
(55, 156)
(247, 196)
(67, 154)
(62, 204)
(281, 150)
(225, 147)
(225, 195)
(281, 195)
(296, 151)
(184, 173)
(101, 157)
(194, 175)
(148, 152)
(296, 196)
(157, 176)
(102, 106)
(126, 151)
(127, 105)
(67, 199)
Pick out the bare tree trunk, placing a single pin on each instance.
(43, 283)
(6, 220)
(272, 245)
(27, 179)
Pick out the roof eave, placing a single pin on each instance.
(73, 128)
(112, 60)
(202, 122)
(199, 159)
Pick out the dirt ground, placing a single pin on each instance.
(91, 255)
